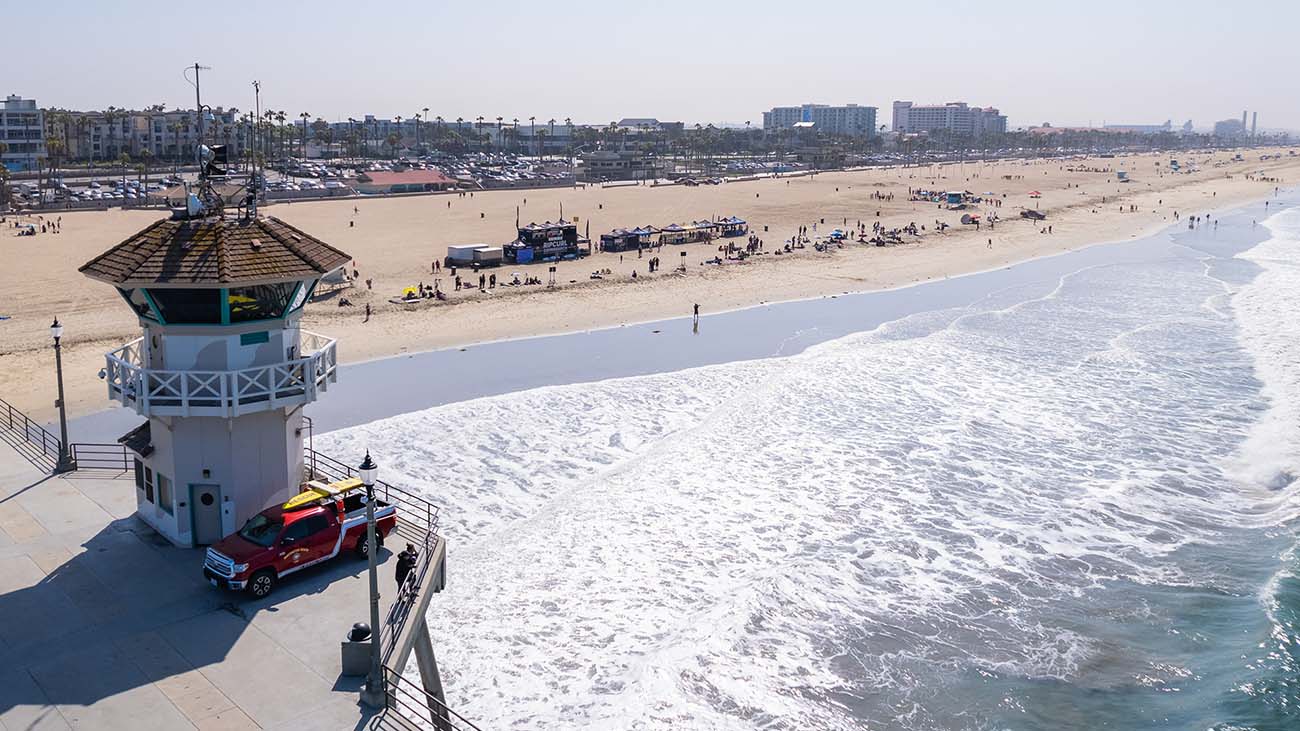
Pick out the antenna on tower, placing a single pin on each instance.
(204, 200)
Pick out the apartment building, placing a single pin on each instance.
(22, 130)
(168, 136)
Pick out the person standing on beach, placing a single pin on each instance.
(696, 318)
(367, 313)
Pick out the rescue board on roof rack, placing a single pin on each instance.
(314, 491)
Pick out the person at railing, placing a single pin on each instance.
(406, 561)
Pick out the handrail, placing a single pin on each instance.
(31, 432)
(97, 456)
(415, 510)
(412, 701)
(417, 524)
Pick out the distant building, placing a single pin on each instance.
(640, 122)
(408, 181)
(543, 137)
(22, 130)
(1142, 129)
(849, 120)
(600, 165)
(955, 117)
(1229, 129)
(649, 124)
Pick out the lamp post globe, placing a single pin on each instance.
(65, 462)
(368, 471)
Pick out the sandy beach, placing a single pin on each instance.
(395, 240)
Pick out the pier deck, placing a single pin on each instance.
(103, 624)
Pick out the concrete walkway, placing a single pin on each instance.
(104, 625)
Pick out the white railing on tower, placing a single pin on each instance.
(220, 393)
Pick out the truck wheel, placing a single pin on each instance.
(363, 545)
(262, 583)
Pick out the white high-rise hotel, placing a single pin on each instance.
(956, 117)
(851, 120)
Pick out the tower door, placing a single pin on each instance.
(205, 501)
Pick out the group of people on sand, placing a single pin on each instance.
(428, 293)
(28, 228)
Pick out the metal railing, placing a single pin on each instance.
(31, 439)
(96, 456)
(154, 392)
(417, 524)
(413, 510)
(413, 702)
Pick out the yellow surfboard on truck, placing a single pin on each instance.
(314, 491)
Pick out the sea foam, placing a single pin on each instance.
(863, 534)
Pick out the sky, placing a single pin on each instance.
(1138, 61)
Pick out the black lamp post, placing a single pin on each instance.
(65, 463)
(373, 695)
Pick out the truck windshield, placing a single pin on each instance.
(261, 530)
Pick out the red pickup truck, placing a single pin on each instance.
(320, 523)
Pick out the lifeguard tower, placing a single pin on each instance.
(222, 370)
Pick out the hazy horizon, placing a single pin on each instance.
(1118, 63)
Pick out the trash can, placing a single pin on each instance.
(356, 650)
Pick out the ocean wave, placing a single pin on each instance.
(1270, 457)
(883, 530)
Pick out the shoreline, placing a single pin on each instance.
(777, 329)
(586, 307)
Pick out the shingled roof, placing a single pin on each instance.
(215, 251)
(138, 440)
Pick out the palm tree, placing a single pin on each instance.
(426, 116)
(532, 131)
(541, 143)
(54, 146)
(280, 118)
(478, 129)
(111, 116)
(4, 178)
(305, 116)
(83, 131)
(146, 156)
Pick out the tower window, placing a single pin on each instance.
(136, 298)
(260, 302)
(188, 306)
